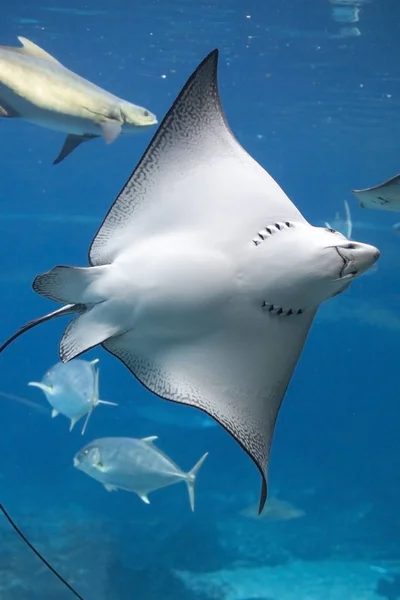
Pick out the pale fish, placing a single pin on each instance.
(72, 390)
(36, 87)
(135, 465)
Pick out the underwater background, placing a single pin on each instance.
(312, 90)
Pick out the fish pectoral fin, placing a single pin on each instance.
(100, 467)
(150, 439)
(110, 131)
(72, 141)
(8, 113)
(143, 497)
(106, 402)
(110, 488)
(54, 413)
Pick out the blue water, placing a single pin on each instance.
(319, 109)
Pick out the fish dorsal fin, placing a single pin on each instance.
(31, 49)
(150, 439)
(181, 180)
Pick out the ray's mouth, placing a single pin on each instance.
(344, 272)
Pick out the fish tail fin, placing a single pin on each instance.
(76, 285)
(191, 479)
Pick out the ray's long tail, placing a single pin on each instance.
(61, 312)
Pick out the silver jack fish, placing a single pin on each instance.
(36, 87)
(72, 390)
(135, 465)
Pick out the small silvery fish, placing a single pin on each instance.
(134, 465)
(72, 389)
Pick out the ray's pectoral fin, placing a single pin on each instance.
(238, 376)
(72, 142)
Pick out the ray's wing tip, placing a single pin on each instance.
(212, 57)
(263, 495)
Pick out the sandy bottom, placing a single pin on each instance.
(296, 581)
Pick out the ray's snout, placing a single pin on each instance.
(357, 257)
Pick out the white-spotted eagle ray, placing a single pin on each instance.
(38, 88)
(134, 465)
(385, 196)
(204, 278)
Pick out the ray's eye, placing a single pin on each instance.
(330, 230)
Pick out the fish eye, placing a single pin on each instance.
(86, 452)
(146, 113)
